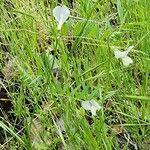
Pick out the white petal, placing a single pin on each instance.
(86, 105)
(119, 54)
(61, 14)
(93, 111)
(95, 104)
(127, 61)
(129, 49)
(92, 105)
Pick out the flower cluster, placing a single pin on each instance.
(61, 14)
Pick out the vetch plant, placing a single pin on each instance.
(61, 14)
(126, 60)
(92, 106)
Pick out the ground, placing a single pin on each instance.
(46, 74)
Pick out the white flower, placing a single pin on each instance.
(126, 60)
(92, 105)
(61, 14)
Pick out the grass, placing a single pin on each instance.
(86, 69)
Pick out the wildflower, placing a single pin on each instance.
(126, 60)
(61, 14)
(92, 105)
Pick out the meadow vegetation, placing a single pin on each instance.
(47, 75)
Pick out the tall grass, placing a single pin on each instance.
(87, 69)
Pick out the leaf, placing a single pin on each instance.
(110, 94)
(142, 98)
(6, 128)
